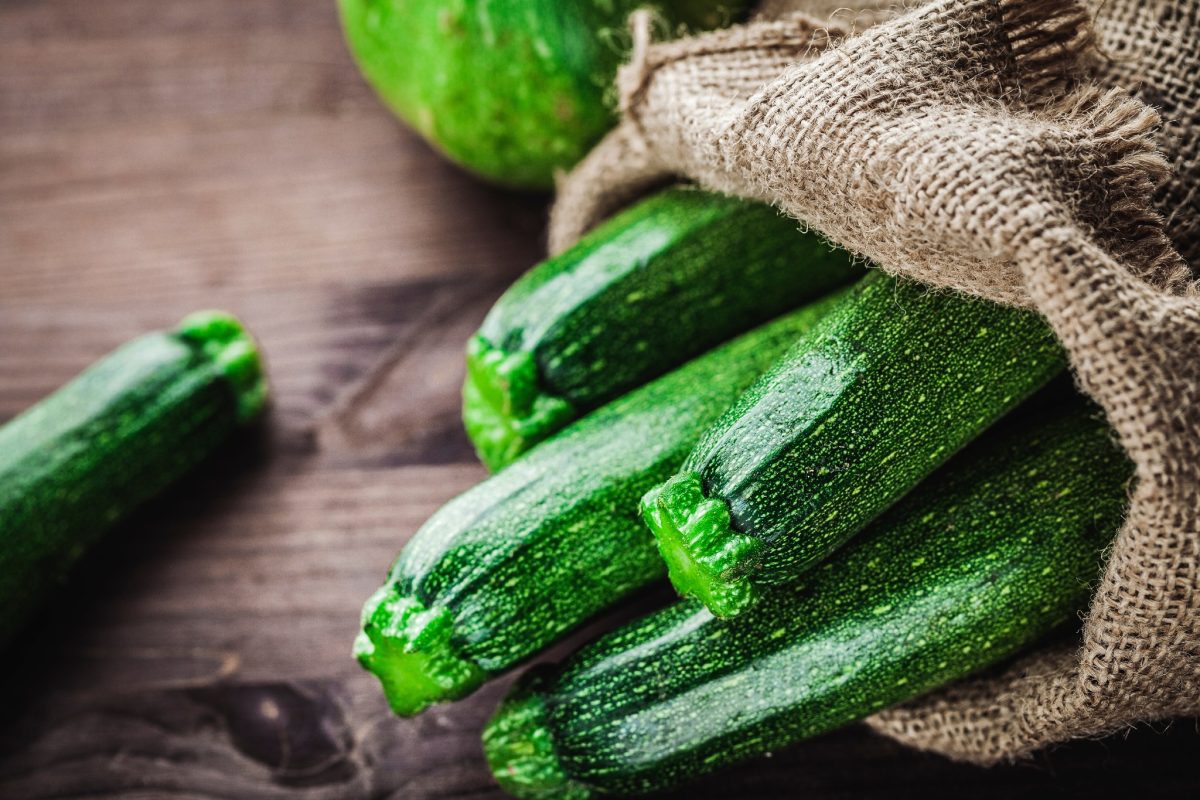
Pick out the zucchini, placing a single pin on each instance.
(82, 459)
(978, 563)
(509, 566)
(886, 388)
(661, 282)
(511, 89)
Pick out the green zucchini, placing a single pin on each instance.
(979, 562)
(509, 566)
(661, 282)
(511, 89)
(82, 459)
(886, 388)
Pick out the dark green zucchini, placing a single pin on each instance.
(79, 461)
(509, 566)
(886, 388)
(661, 282)
(982, 560)
(511, 89)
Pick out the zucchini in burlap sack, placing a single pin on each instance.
(1024, 151)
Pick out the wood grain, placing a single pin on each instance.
(158, 156)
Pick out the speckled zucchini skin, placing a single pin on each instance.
(506, 568)
(78, 462)
(510, 89)
(886, 388)
(982, 560)
(661, 282)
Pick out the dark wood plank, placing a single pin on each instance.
(158, 156)
(166, 152)
(333, 739)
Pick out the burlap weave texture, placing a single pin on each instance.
(1037, 152)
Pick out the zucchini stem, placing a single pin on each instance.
(222, 339)
(409, 648)
(699, 545)
(519, 748)
(505, 409)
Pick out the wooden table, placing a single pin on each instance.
(158, 156)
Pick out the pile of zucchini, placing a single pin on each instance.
(838, 490)
(863, 489)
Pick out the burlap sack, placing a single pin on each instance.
(1003, 148)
